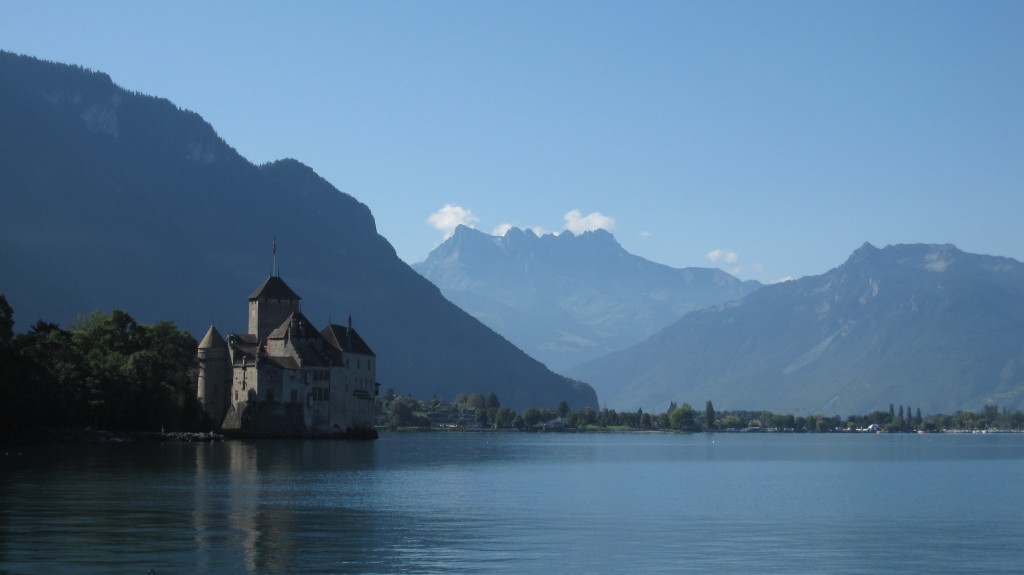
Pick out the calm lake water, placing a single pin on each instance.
(520, 503)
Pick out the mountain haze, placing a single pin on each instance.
(924, 325)
(113, 199)
(569, 298)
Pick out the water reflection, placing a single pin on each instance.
(265, 501)
(516, 503)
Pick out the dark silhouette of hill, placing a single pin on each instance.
(569, 298)
(113, 199)
(925, 325)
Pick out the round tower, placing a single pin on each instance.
(214, 387)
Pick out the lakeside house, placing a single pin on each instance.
(284, 378)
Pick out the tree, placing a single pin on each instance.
(732, 422)
(503, 418)
(6, 323)
(645, 421)
(475, 401)
(460, 402)
(563, 409)
(587, 416)
(108, 371)
(481, 416)
(492, 401)
(532, 416)
(8, 375)
(399, 414)
(51, 374)
(683, 418)
(607, 417)
(709, 415)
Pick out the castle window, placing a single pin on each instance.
(295, 396)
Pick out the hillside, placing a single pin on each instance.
(925, 325)
(569, 298)
(113, 199)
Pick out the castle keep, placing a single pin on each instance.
(284, 378)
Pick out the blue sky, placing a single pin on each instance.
(770, 139)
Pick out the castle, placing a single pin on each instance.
(284, 378)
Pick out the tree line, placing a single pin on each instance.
(106, 371)
(477, 411)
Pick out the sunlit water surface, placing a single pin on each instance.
(520, 503)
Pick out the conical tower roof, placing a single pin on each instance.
(212, 339)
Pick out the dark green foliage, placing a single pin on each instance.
(8, 403)
(475, 401)
(683, 418)
(504, 418)
(108, 372)
(6, 323)
(492, 401)
(402, 413)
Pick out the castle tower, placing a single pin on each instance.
(270, 305)
(214, 375)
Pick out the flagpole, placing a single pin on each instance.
(273, 267)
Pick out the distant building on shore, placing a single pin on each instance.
(284, 378)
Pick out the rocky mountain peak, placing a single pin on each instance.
(569, 297)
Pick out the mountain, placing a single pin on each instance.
(113, 199)
(569, 298)
(925, 325)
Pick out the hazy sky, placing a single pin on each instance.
(770, 139)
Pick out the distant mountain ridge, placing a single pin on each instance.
(113, 199)
(925, 325)
(568, 298)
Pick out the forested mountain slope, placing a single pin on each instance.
(113, 199)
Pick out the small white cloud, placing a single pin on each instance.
(783, 280)
(502, 229)
(724, 256)
(450, 217)
(645, 234)
(577, 223)
(539, 231)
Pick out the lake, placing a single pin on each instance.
(520, 503)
